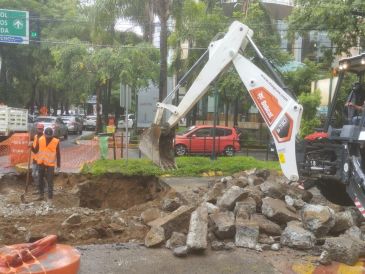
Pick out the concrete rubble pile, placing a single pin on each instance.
(260, 211)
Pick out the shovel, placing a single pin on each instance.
(22, 197)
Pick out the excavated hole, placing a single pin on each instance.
(112, 191)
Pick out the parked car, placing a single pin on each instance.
(73, 123)
(122, 121)
(56, 123)
(90, 122)
(199, 139)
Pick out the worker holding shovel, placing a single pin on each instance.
(49, 162)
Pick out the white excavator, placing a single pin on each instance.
(333, 156)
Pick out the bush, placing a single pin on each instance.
(310, 103)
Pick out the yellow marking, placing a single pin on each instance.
(358, 268)
(281, 158)
(303, 268)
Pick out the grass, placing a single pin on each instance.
(187, 166)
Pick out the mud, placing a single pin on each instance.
(109, 206)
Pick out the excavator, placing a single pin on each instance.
(335, 154)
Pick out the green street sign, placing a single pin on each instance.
(14, 26)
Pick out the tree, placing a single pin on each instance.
(336, 17)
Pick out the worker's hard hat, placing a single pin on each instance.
(48, 132)
(40, 126)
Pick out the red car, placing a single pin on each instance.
(199, 139)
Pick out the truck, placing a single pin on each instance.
(12, 120)
(333, 157)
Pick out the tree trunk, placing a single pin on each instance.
(235, 112)
(98, 117)
(148, 25)
(226, 111)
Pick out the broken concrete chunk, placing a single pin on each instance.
(342, 249)
(324, 258)
(343, 221)
(277, 211)
(230, 197)
(275, 247)
(355, 233)
(223, 224)
(255, 193)
(198, 229)
(318, 219)
(253, 180)
(171, 204)
(264, 239)
(155, 237)
(247, 234)
(175, 221)
(181, 251)
(266, 226)
(74, 219)
(150, 214)
(244, 207)
(241, 182)
(177, 239)
(274, 189)
(215, 192)
(297, 237)
(211, 208)
(217, 245)
(263, 173)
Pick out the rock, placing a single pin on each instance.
(214, 193)
(298, 193)
(74, 219)
(253, 180)
(266, 226)
(264, 239)
(223, 222)
(289, 200)
(274, 189)
(229, 246)
(155, 237)
(116, 219)
(241, 182)
(177, 239)
(175, 221)
(324, 258)
(255, 193)
(230, 197)
(226, 179)
(150, 214)
(277, 211)
(318, 219)
(181, 251)
(342, 249)
(247, 234)
(292, 202)
(263, 173)
(297, 237)
(343, 221)
(198, 229)
(275, 247)
(245, 207)
(217, 245)
(90, 233)
(355, 233)
(171, 204)
(211, 208)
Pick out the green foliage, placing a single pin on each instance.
(310, 103)
(299, 81)
(335, 17)
(188, 166)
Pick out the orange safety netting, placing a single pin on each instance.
(14, 150)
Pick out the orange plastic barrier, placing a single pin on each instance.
(18, 148)
(42, 256)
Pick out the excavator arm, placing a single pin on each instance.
(280, 111)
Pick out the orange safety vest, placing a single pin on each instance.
(47, 154)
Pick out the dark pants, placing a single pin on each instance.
(47, 171)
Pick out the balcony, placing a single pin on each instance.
(278, 9)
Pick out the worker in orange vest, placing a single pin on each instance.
(40, 128)
(49, 162)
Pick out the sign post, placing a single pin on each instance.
(14, 26)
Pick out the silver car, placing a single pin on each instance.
(56, 123)
(73, 123)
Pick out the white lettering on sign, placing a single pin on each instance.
(266, 108)
(4, 30)
(3, 23)
(260, 96)
(3, 14)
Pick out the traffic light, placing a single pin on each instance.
(34, 27)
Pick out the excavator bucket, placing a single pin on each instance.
(158, 145)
